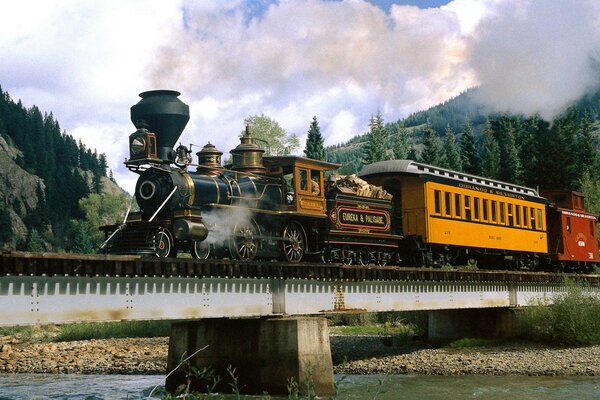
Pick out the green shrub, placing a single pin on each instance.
(573, 318)
(106, 330)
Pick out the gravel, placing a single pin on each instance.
(351, 355)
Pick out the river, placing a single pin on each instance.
(363, 387)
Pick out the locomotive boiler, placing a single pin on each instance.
(256, 206)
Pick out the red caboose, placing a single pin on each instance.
(572, 233)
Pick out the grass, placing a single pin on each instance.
(470, 342)
(377, 329)
(573, 318)
(84, 331)
(107, 330)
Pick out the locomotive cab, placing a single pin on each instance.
(303, 181)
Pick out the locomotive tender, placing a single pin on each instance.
(281, 208)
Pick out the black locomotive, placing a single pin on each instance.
(256, 207)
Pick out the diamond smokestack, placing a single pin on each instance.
(162, 113)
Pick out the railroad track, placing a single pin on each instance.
(61, 264)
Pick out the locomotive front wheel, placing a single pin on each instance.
(243, 244)
(163, 245)
(200, 250)
(294, 242)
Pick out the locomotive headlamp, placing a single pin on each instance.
(138, 145)
(142, 147)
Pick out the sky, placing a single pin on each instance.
(339, 60)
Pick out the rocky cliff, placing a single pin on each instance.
(18, 190)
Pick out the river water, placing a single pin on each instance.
(383, 387)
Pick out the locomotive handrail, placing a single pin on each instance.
(262, 195)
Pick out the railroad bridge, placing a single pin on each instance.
(251, 313)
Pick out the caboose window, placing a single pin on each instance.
(592, 230)
(437, 199)
(457, 205)
(447, 203)
(569, 224)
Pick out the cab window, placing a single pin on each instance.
(315, 182)
(310, 181)
(303, 179)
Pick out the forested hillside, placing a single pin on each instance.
(460, 135)
(44, 175)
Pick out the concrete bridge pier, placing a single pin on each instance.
(472, 323)
(265, 352)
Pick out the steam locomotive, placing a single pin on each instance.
(282, 207)
(258, 206)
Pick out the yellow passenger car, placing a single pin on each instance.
(447, 215)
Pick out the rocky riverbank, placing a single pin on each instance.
(351, 355)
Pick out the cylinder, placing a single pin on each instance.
(184, 229)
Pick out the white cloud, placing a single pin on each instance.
(341, 61)
(537, 57)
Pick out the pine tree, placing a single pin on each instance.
(376, 146)
(432, 147)
(510, 163)
(35, 242)
(468, 151)
(533, 129)
(401, 143)
(314, 143)
(490, 158)
(103, 164)
(557, 169)
(451, 158)
(587, 147)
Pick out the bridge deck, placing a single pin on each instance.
(59, 288)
